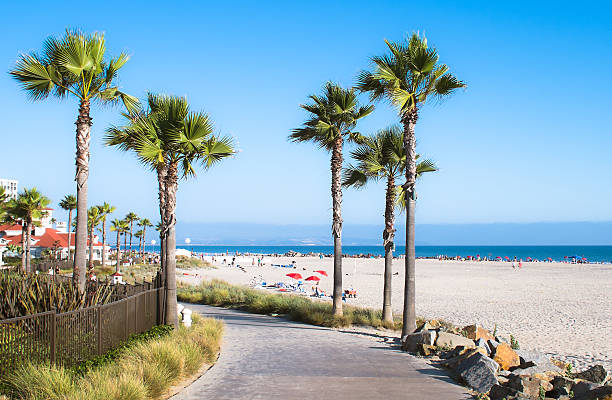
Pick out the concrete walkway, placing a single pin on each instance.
(270, 358)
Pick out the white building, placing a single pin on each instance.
(10, 187)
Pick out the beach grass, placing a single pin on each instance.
(143, 371)
(297, 308)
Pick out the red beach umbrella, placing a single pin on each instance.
(313, 278)
(321, 272)
(294, 275)
(507, 258)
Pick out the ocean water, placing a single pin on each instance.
(601, 254)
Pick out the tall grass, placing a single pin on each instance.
(144, 371)
(297, 308)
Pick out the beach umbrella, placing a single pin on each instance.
(549, 259)
(321, 272)
(294, 275)
(313, 278)
(584, 259)
(507, 258)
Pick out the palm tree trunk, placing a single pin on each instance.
(23, 247)
(388, 237)
(83, 124)
(336, 191)
(162, 171)
(104, 242)
(70, 236)
(409, 315)
(171, 189)
(131, 227)
(28, 253)
(90, 264)
(118, 251)
(144, 242)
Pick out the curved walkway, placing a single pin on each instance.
(271, 358)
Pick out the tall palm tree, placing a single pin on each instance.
(75, 64)
(119, 226)
(333, 116)
(131, 218)
(144, 224)
(407, 77)
(69, 203)
(138, 236)
(27, 207)
(170, 139)
(94, 217)
(3, 196)
(379, 157)
(105, 210)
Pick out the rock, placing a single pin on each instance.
(596, 374)
(410, 342)
(531, 359)
(454, 362)
(429, 325)
(446, 339)
(478, 371)
(600, 393)
(492, 344)
(561, 386)
(583, 387)
(528, 385)
(499, 392)
(435, 323)
(483, 344)
(476, 332)
(425, 349)
(506, 357)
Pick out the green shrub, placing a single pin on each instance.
(141, 371)
(297, 308)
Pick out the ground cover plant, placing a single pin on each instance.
(297, 308)
(143, 370)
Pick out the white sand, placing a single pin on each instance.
(564, 310)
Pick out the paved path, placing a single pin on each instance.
(270, 358)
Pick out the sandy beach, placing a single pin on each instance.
(562, 309)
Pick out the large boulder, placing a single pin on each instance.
(460, 356)
(582, 387)
(476, 332)
(595, 374)
(451, 340)
(478, 372)
(410, 342)
(506, 357)
(528, 385)
(561, 386)
(533, 362)
(600, 393)
(499, 392)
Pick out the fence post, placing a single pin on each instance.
(52, 342)
(99, 331)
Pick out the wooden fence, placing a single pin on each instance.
(70, 338)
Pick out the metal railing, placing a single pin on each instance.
(70, 338)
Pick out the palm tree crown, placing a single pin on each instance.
(408, 75)
(333, 114)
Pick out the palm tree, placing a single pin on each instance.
(380, 157)
(407, 77)
(119, 226)
(144, 224)
(105, 210)
(333, 116)
(131, 218)
(170, 139)
(139, 235)
(75, 65)
(69, 203)
(94, 217)
(27, 207)
(3, 197)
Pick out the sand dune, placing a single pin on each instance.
(564, 310)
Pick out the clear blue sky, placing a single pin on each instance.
(529, 140)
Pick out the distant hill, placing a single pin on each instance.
(544, 233)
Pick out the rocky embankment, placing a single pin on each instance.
(496, 369)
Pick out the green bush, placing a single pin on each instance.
(297, 308)
(143, 370)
